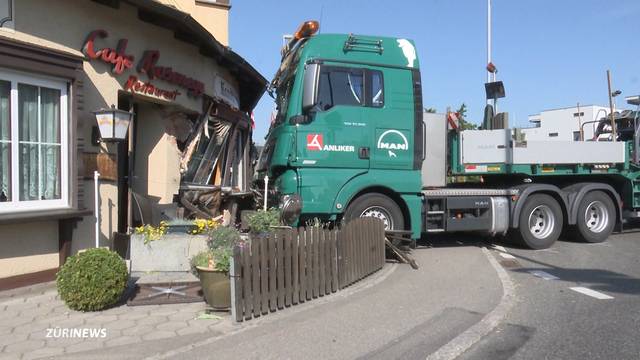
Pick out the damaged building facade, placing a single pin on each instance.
(187, 152)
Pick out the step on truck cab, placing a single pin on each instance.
(350, 140)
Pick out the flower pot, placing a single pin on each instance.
(216, 287)
(170, 253)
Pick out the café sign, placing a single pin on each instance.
(121, 61)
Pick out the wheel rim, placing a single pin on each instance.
(541, 221)
(379, 213)
(596, 216)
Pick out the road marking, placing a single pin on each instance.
(592, 293)
(501, 248)
(472, 335)
(507, 256)
(543, 275)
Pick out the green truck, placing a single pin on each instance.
(351, 139)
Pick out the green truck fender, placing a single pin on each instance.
(410, 202)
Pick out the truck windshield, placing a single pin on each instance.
(282, 99)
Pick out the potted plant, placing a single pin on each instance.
(212, 267)
(261, 222)
(169, 246)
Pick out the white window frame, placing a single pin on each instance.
(15, 205)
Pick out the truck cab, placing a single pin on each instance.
(347, 127)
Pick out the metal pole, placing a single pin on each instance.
(130, 161)
(613, 121)
(96, 207)
(488, 39)
(266, 188)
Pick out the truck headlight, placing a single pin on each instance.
(291, 206)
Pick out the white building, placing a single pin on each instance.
(564, 124)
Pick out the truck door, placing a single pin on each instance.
(391, 117)
(336, 136)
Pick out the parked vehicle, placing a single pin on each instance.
(350, 140)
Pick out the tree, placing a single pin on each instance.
(430, 110)
(462, 117)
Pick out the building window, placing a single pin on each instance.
(576, 136)
(33, 143)
(6, 14)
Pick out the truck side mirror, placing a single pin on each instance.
(310, 86)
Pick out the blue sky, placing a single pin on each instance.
(549, 53)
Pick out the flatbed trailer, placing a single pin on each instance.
(351, 140)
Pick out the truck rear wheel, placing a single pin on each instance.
(596, 218)
(377, 206)
(540, 222)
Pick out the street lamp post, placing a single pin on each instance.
(113, 125)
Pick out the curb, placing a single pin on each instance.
(464, 341)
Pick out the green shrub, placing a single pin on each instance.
(262, 221)
(221, 259)
(92, 280)
(223, 236)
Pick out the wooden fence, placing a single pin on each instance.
(297, 265)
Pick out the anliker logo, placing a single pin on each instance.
(316, 143)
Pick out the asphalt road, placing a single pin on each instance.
(574, 301)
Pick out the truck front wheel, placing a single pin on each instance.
(596, 217)
(540, 222)
(377, 206)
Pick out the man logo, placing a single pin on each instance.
(386, 142)
(314, 142)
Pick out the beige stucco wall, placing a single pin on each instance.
(28, 247)
(214, 18)
(63, 25)
(157, 163)
(84, 233)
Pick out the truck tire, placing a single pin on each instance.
(378, 206)
(596, 218)
(540, 222)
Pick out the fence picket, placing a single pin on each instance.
(327, 262)
(321, 263)
(367, 240)
(246, 279)
(237, 291)
(264, 275)
(352, 237)
(280, 268)
(255, 270)
(309, 253)
(288, 288)
(295, 267)
(334, 261)
(303, 263)
(273, 290)
(314, 253)
(340, 255)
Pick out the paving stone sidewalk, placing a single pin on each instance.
(33, 322)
